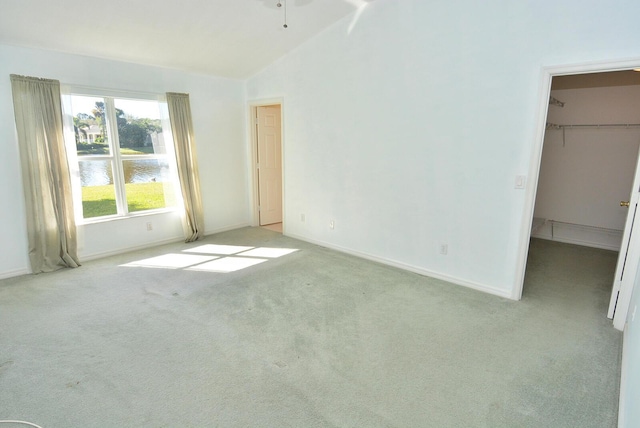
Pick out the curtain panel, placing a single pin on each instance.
(51, 224)
(182, 130)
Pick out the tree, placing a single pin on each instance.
(101, 120)
(132, 132)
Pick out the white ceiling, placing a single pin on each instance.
(229, 38)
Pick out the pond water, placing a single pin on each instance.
(100, 172)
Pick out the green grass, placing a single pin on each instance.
(103, 149)
(98, 201)
(92, 148)
(136, 151)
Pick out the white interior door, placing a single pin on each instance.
(269, 164)
(628, 258)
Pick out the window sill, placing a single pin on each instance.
(97, 220)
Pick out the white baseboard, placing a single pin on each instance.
(13, 273)
(404, 266)
(89, 257)
(578, 234)
(225, 229)
(622, 400)
(95, 256)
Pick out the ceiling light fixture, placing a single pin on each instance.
(636, 69)
(279, 4)
(282, 4)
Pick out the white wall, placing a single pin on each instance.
(407, 124)
(584, 178)
(629, 415)
(218, 116)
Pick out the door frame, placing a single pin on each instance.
(546, 74)
(253, 157)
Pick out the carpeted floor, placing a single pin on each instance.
(312, 338)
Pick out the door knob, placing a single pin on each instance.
(624, 203)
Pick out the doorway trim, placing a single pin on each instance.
(546, 75)
(253, 156)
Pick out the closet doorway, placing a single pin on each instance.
(266, 131)
(588, 182)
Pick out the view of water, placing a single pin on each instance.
(99, 172)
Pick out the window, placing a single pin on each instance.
(125, 161)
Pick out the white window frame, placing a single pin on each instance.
(116, 158)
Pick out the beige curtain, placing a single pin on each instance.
(182, 129)
(45, 174)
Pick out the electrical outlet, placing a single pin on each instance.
(444, 249)
(332, 224)
(149, 226)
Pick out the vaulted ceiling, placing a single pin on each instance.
(229, 38)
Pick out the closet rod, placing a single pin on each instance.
(607, 125)
(563, 128)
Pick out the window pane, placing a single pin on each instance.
(140, 168)
(148, 184)
(89, 125)
(139, 127)
(98, 192)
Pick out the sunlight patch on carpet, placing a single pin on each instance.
(213, 258)
(171, 261)
(218, 249)
(227, 264)
(270, 253)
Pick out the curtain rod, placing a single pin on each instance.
(110, 92)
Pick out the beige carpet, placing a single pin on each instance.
(266, 337)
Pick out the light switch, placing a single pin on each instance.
(521, 181)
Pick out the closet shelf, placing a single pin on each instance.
(595, 126)
(555, 102)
